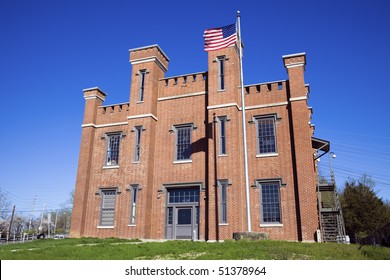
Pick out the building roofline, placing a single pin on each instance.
(94, 88)
(182, 75)
(293, 55)
(151, 46)
(115, 104)
(265, 83)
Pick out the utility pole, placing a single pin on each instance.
(40, 224)
(48, 223)
(55, 222)
(10, 222)
(32, 212)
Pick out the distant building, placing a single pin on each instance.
(169, 164)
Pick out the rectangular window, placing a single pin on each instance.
(137, 143)
(221, 72)
(133, 202)
(183, 142)
(223, 184)
(270, 202)
(266, 139)
(222, 135)
(107, 210)
(186, 195)
(170, 216)
(112, 153)
(141, 90)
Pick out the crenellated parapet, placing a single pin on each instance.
(112, 113)
(115, 108)
(266, 93)
(180, 86)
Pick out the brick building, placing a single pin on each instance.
(169, 163)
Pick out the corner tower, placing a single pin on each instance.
(148, 66)
(302, 152)
(224, 76)
(94, 97)
(225, 157)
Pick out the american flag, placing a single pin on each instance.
(219, 38)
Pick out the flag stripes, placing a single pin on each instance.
(220, 38)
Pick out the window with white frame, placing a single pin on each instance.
(266, 136)
(112, 149)
(133, 203)
(137, 143)
(223, 186)
(270, 202)
(221, 72)
(141, 89)
(107, 209)
(183, 142)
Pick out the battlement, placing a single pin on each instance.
(114, 113)
(265, 87)
(113, 108)
(266, 93)
(182, 84)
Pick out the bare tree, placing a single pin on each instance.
(63, 216)
(5, 210)
(19, 225)
(5, 205)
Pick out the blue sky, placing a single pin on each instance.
(51, 50)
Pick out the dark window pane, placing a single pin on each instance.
(266, 135)
(170, 216)
(113, 142)
(183, 195)
(184, 216)
(270, 203)
(137, 145)
(222, 135)
(223, 185)
(141, 85)
(183, 143)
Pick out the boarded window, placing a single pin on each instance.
(107, 208)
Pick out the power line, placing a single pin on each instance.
(355, 134)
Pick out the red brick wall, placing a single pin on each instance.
(195, 99)
(93, 99)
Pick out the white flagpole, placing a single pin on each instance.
(248, 210)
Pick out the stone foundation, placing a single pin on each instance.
(250, 236)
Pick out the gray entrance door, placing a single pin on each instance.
(182, 214)
(184, 223)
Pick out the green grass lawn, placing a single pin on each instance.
(124, 249)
